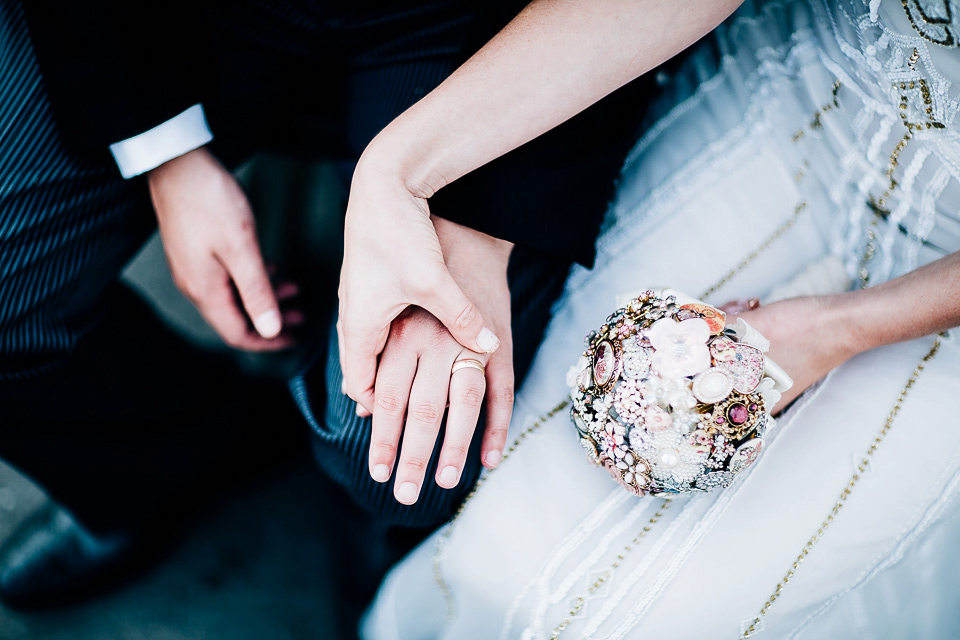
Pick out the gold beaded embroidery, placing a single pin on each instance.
(752, 628)
(932, 24)
(879, 205)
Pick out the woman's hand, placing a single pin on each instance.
(392, 260)
(808, 337)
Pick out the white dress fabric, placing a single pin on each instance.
(787, 106)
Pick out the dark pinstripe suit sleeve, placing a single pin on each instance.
(116, 68)
(341, 439)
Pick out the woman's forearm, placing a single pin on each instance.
(919, 303)
(556, 58)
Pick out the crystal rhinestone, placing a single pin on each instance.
(585, 379)
(590, 447)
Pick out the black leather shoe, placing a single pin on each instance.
(51, 559)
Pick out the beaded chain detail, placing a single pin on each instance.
(753, 626)
(445, 534)
(608, 572)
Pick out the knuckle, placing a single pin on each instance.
(426, 413)
(471, 397)
(417, 464)
(248, 228)
(389, 404)
(385, 449)
(456, 450)
(258, 291)
(497, 433)
(504, 396)
(468, 316)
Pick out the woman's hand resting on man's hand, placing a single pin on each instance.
(414, 381)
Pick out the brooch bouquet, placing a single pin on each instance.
(670, 399)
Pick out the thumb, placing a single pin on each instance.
(256, 293)
(450, 305)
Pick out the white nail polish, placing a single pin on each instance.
(449, 477)
(381, 473)
(407, 493)
(343, 387)
(487, 341)
(492, 459)
(268, 324)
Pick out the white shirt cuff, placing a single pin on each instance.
(173, 138)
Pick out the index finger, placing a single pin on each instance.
(361, 343)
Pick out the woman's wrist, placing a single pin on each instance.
(844, 324)
(402, 157)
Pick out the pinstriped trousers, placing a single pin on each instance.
(113, 414)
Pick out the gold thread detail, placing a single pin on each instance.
(846, 492)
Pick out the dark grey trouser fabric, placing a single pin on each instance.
(108, 410)
(342, 439)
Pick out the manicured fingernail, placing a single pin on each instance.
(492, 459)
(268, 324)
(407, 493)
(487, 341)
(343, 387)
(361, 412)
(380, 473)
(449, 477)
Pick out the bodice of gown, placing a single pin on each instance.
(868, 119)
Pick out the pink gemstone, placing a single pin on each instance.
(738, 414)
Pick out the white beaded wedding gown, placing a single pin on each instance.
(831, 126)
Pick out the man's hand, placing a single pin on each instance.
(210, 241)
(414, 379)
(392, 260)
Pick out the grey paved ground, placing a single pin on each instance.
(256, 565)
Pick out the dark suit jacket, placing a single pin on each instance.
(116, 68)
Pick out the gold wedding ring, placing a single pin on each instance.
(468, 363)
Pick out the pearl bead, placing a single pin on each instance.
(669, 458)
